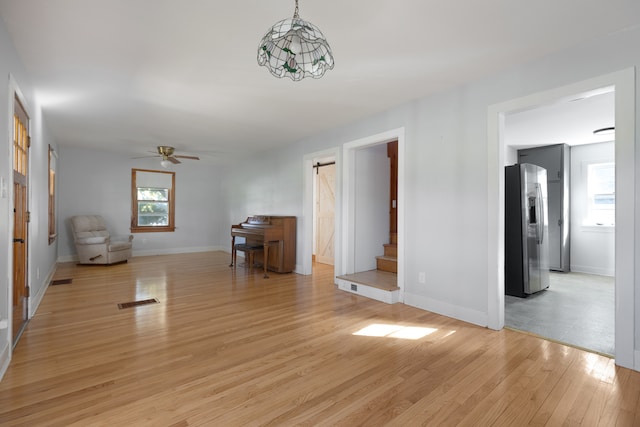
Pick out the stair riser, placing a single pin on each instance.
(391, 250)
(387, 265)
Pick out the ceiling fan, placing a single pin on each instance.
(166, 152)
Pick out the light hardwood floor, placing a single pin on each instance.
(225, 348)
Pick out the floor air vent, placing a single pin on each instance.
(61, 282)
(137, 303)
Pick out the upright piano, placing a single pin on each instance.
(277, 234)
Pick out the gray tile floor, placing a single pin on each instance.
(577, 309)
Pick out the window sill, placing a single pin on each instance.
(152, 229)
(596, 228)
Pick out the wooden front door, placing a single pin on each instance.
(325, 213)
(392, 153)
(20, 219)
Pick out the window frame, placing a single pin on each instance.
(135, 228)
(53, 234)
(595, 214)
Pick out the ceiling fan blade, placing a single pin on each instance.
(173, 160)
(144, 157)
(189, 157)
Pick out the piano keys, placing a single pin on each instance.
(277, 234)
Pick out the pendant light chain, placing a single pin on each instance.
(295, 13)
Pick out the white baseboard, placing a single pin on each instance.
(5, 358)
(172, 251)
(389, 297)
(151, 252)
(298, 269)
(67, 258)
(445, 309)
(636, 360)
(592, 270)
(34, 301)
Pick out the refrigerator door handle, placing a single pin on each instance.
(541, 218)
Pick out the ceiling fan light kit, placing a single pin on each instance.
(168, 158)
(295, 48)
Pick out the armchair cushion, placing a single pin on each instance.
(86, 238)
(94, 244)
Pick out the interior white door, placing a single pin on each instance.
(325, 214)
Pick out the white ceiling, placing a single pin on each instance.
(128, 75)
(567, 121)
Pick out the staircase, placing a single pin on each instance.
(389, 261)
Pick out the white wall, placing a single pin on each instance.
(99, 182)
(592, 247)
(371, 204)
(446, 172)
(270, 183)
(42, 255)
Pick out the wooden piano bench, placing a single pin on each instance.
(249, 252)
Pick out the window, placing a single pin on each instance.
(152, 201)
(601, 193)
(52, 195)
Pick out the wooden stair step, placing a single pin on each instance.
(387, 263)
(391, 249)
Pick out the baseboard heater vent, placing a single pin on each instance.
(61, 282)
(137, 303)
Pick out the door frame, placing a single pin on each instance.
(15, 92)
(347, 236)
(625, 231)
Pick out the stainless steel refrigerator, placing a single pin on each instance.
(526, 244)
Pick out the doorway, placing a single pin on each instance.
(20, 308)
(624, 83)
(354, 240)
(578, 306)
(308, 224)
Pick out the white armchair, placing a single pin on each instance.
(94, 244)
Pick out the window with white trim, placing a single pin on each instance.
(601, 193)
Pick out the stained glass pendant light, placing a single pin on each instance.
(296, 49)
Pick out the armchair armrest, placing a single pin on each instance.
(122, 238)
